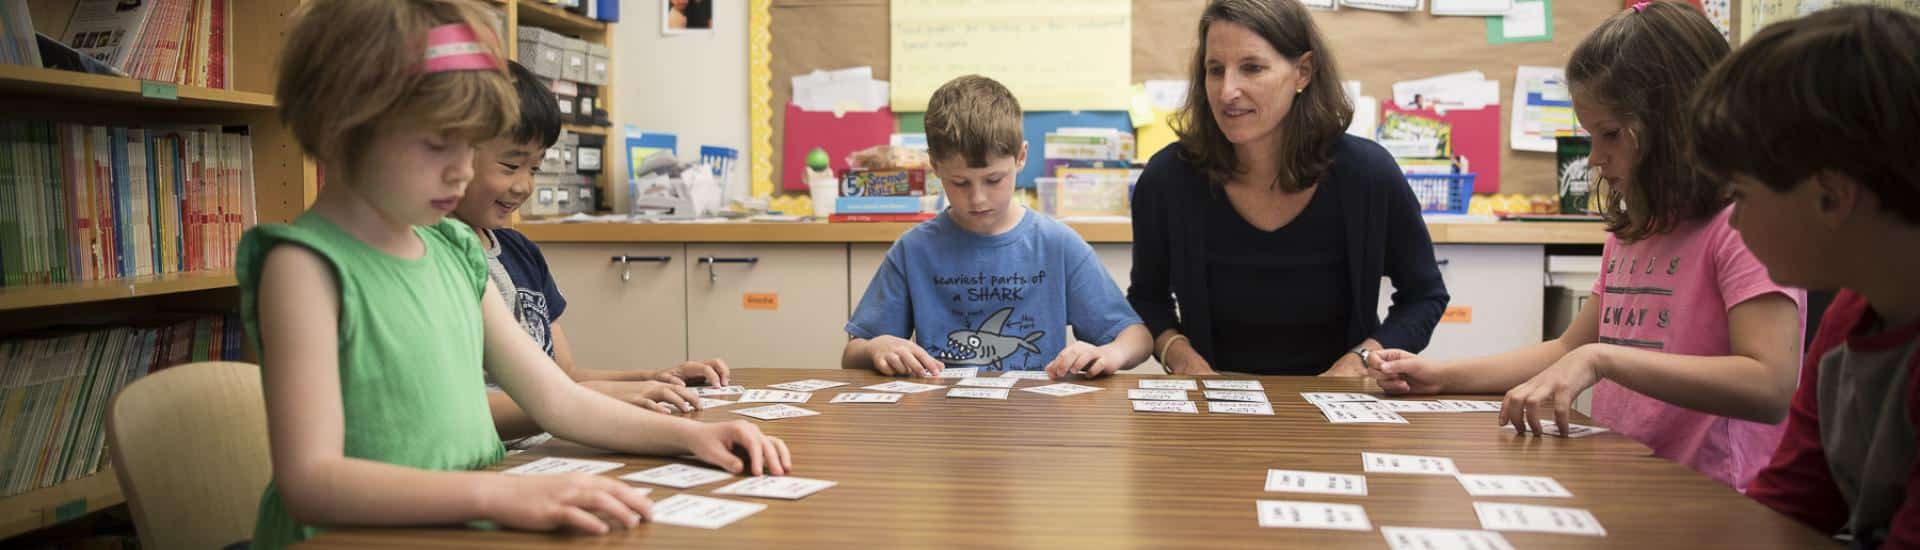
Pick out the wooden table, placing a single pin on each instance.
(1087, 472)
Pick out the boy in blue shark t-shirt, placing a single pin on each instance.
(987, 283)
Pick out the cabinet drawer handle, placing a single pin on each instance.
(626, 264)
(713, 276)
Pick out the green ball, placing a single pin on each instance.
(817, 159)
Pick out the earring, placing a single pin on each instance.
(1299, 90)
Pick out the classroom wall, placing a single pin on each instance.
(691, 85)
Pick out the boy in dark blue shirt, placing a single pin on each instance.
(502, 180)
(987, 283)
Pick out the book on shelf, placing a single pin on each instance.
(18, 43)
(83, 203)
(880, 218)
(177, 41)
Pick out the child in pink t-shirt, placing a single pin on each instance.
(1691, 348)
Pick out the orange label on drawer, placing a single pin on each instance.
(767, 301)
(1458, 314)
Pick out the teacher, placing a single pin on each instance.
(1260, 238)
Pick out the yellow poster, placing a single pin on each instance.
(1757, 14)
(1055, 55)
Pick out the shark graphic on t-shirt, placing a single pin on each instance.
(987, 345)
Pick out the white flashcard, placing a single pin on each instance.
(1574, 431)
(1187, 407)
(1026, 375)
(995, 382)
(1338, 414)
(1322, 398)
(1313, 515)
(703, 512)
(1187, 385)
(677, 476)
(781, 487)
(708, 403)
(552, 465)
(808, 385)
(866, 398)
(1236, 395)
(902, 386)
(1157, 395)
(1248, 385)
(1414, 538)
(1512, 486)
(775, 412)
(706, 391)
(962, 372)
(1417, 406)
(1062, 389)
(773, 396)
(1230, 407)
(978, 393)
(1499, 516)
(1296, 481)
(1388, 463)
(1469, 405)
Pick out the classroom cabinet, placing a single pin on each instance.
(767, 305)
(1498, 299)
(863, 260)
(626, 303)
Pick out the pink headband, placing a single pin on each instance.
(457, 47)
(1640, 6)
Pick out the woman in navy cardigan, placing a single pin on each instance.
(1260, 238)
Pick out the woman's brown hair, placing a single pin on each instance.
(1311, 128)
(1642, 65)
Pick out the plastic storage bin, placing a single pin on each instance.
(1078, 197)
(1442, 193)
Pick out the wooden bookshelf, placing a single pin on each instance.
(588, 130)
(553, 18)
(46, 507)
(69, 85)
(284, 184)
(32, 296)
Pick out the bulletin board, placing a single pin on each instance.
(1375, 48)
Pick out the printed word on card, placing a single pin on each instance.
(775, 412)
(808, 385)
(773, 396)
(866, 398)
(705, 391)
(1247, 385)
(1411, 538)
(677, 476)
(995, 382)
(1236, 395)
(1157, 395)
(1187, 407)
(1229, 407)
(1313, 515)
(965, 372)
(1187, 385)
(1295, 481)
(553, 466)
(708, 403)
(1344, 413)
(978, 393)
(1468, 405)
(1061, 389)
(1512, 486)
(781, 487)
(902, 386)
(703, 512)
(1574, 431)
(1417, 406)
(1026, 375)
(1322, 398)
(1539, 519)
(1388, 463)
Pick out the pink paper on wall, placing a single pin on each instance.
(1476, 136)
(839, 135)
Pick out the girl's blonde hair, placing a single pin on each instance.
(353, 68)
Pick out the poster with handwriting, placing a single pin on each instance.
(1055, 55)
